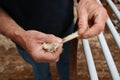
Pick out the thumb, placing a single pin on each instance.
(83, 22)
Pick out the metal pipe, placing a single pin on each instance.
(114, 32)
(106, 51)
(114, 8)
(108, 57)
(119, 1)
(90, 61)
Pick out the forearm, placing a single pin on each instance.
(9, 27)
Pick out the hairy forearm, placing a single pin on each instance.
(9, 27)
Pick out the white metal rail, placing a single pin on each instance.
(114, 8)
(119, 1)
(108, 57)
(107, 54)
(89, 59)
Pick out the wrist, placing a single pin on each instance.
(18, 36)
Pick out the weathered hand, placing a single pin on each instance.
(31, 40)
(33, 44)
(92, 18)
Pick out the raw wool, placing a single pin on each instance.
(50, 47)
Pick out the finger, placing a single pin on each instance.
(52, 39)
(46, 57)
(96, 28)
(48, 37)
(57, 59)
(93, 31)
(54, 56)
(83, 22)
(58, 52)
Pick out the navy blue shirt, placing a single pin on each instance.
(49, 16)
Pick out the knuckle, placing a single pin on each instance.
(80, 21)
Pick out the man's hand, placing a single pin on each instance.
(32, 41)
(33, 44)
(92, 18)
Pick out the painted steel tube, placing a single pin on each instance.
(114, 8)
(89, 59)
(112, 67)
(119, 1)
(114, 32)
